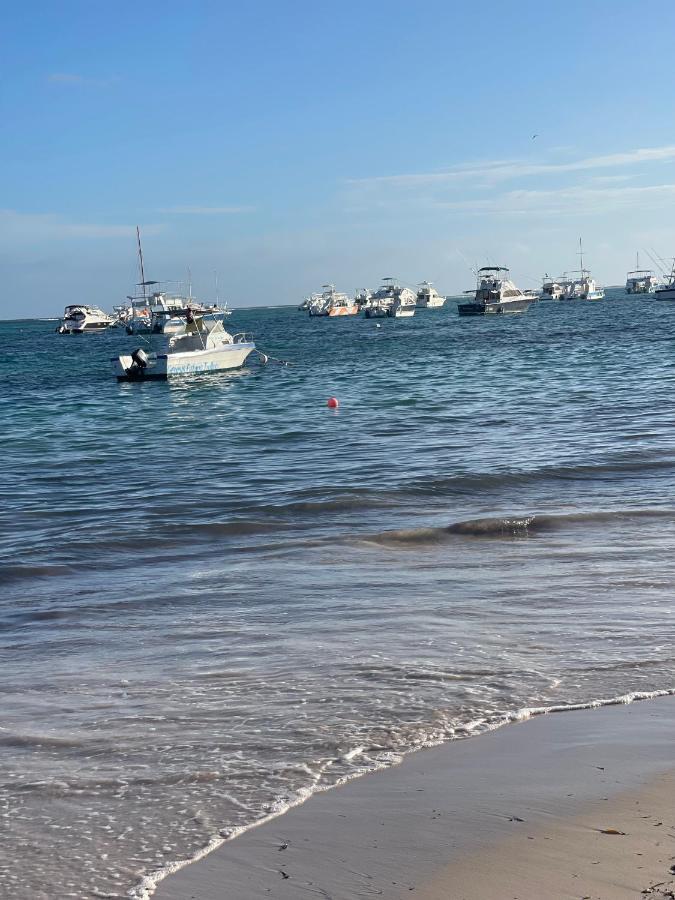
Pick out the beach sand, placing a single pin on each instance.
(576, 805)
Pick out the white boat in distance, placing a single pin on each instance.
(584, 287)
(496, 294)
(428, 297)
(79, 318)
(641, 281)
(391, 300)
(331, 303)
(160, 312)
(202, 346)
(553, 288)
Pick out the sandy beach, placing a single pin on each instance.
(578, 804)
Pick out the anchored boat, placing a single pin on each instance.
(641, 281)
(331, 303)
(79, 318)
(496, 294)
(553, 288)
(583, 287)
(428, 297)
(202, 346)
(391, 300)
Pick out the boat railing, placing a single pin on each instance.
(242, 337)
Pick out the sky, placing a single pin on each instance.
(283, 145)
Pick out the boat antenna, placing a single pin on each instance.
(581, 256)
(140, 259)
(189, 283)
(215, 278)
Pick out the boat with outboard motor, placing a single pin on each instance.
(496, 294)
(202, 345)
(79, 318)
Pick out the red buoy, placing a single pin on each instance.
(333, 403)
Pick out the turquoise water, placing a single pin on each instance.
(219, 595)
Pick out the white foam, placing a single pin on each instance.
(148, 884)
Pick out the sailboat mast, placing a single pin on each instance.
(140, 259)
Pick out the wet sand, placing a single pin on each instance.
(568, 805)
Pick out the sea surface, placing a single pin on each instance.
(217, 595)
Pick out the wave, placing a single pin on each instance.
(472, 482)
(9, 574)
(514, 526)
(148, 883)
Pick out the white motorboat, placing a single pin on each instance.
(428, 297)
(391, 300)
(332, 303)
(168, 312)
(202, 346)
(403, 307)
(160, 312)
(584, 286)
(79, 318)
(553, 288)
(496, 294)
(641, 281)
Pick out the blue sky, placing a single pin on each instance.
(284, 145)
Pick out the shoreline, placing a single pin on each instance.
(377, 834)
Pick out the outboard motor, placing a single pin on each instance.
(139, 362)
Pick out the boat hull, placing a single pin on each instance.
(343, 311)
(667, 293)
(171, 365)
(493, 309)
(402, 312)
(436, 303)
(376, 312)
(93, 328)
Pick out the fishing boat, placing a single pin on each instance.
(79, 318)
(403, 306)
(331, 303)
(667, 291)
(156, 310)
(584, 286)
(641, 281)
(202, 346)
(428, 297)
(390, 299)
(496, 294)
(553, 288)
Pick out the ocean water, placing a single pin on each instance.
(217, 595)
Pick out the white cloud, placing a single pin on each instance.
(577, 200)
(206, 210)
(49, 226)
(494, 171)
